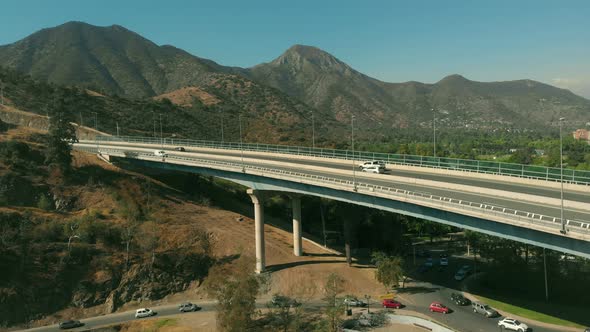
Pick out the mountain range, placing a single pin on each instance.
(304, 79)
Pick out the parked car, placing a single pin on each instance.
(279, 300)
(160, 153)
(484, 309)
(459, 299)
(354, 302)
(70, 324)
(429, 262)
(513, 324)
(423, 268)
(187, 306)
(180, 148)
(144, 312)
(463, 272)
(390, 303)
(439, 307)
(444, 261)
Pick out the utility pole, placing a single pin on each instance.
(563, 230)
(353, 162)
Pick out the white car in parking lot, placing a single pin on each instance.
(513, 324)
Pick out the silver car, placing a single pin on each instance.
(484, 309)
(187, 306)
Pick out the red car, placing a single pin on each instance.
(389, 303)
(439, 307)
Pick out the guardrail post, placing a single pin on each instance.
(478, 166)
(500, 168)
(522, 170)
(547, 175)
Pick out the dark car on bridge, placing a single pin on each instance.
(70, 324)
(459, 299)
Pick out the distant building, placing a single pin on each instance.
(540, 152)
(582, 134)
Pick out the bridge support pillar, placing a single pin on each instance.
(297, 248)
(256, 197)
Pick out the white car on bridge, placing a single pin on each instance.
(374, 166)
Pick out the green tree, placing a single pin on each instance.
(389, 269)
(334, 306)
(284, 314)
(61, 133)
(235, 289)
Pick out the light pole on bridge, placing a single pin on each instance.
(312, 131)
(221, 119)
(434, 132)
(353, 161)
(563, 230)
(161, 133)
(241, 144)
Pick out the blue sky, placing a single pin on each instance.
(394, 41)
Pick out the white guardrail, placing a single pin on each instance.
(522, 216)
(477, 166)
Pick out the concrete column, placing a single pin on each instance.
(297, 248)
(256, 197)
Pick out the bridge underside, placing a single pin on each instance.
(512, 232)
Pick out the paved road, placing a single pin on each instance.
(293, 164)
(463, 180)
(122, 317)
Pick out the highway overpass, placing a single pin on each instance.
(522, 208)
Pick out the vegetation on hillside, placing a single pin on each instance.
(90, 238)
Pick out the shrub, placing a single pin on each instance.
(44, 203)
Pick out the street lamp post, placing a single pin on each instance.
(241, 144)
(221, 119)
(96, 133)
(563, 230)
(353, 163)
(117, 128)
(154, 120)
(312, 131)
(161, 133)
(434, 131)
